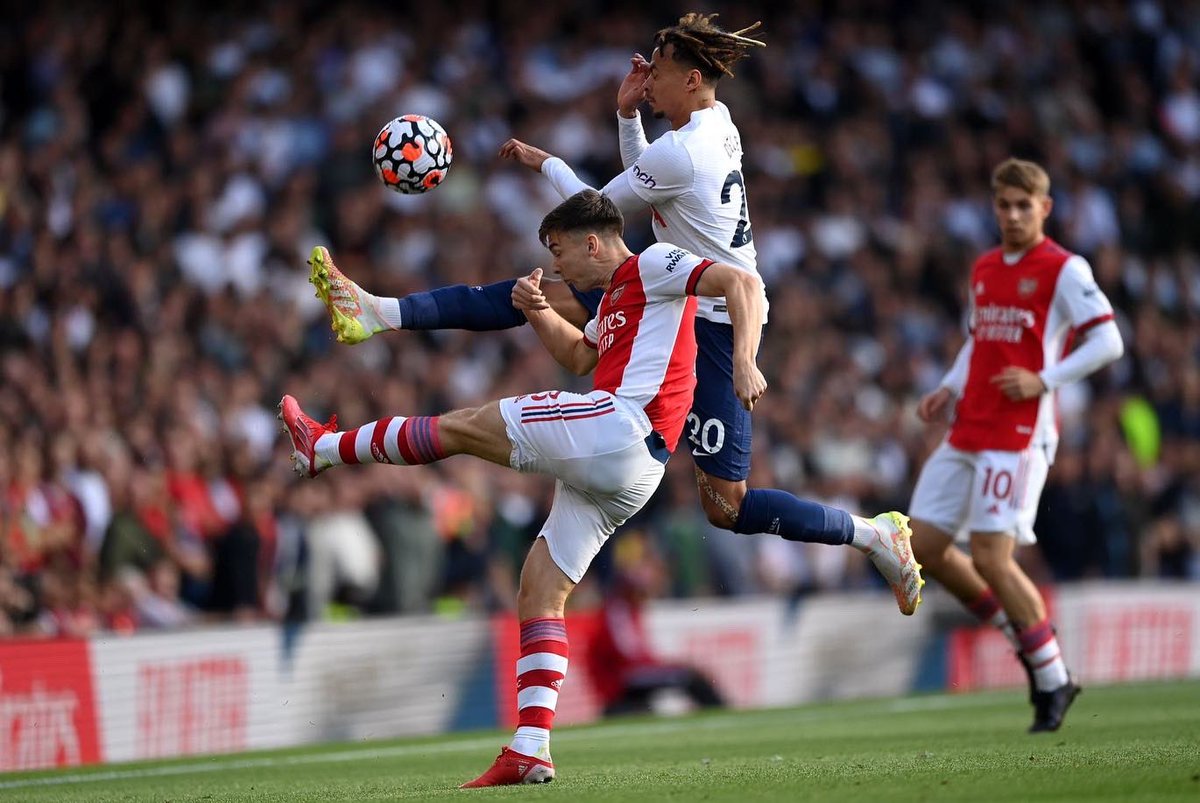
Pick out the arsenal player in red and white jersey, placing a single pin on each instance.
(606, 448)
(1029, 298)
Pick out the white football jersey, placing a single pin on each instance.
(692, 180)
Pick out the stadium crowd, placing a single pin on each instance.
(163, 175)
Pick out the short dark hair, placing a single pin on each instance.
(586, 210)
(700, 44)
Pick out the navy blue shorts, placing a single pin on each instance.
(718, 427)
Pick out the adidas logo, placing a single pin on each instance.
(379, 454)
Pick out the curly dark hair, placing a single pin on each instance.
(699, 43)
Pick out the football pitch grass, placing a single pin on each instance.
(1120, 743)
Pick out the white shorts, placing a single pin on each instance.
(985, 492)
(595, 444)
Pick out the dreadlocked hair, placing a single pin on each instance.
(701, 44)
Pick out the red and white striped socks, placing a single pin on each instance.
(1040, 648)
(399, 440)
(988, 610)
(540, 673)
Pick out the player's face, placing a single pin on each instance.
(1021, 216)
(666, 91)
(572, 259)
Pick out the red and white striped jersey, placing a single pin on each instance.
(644, 331)
(1023, 308)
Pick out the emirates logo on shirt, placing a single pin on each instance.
(1027, 287)
(614, 295)
(1002, 324)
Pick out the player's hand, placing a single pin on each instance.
(934, 405)
(749, 384)
(1019, 384)
(632, 91)
(527, 155)
(527, 293)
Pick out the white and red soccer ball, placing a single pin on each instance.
(412, 154)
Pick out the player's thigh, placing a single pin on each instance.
(1005, 495)
(942, 496)
(580, 522)
(596, 442)
(479, 431)
(718, 427)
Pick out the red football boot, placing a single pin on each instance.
(512, 768)
(304, 431)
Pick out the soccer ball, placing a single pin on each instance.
(412, 154)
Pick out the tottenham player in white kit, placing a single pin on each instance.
(690, 181)
(607, 449)
(983, 482)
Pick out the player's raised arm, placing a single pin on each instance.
(563, 178)
(564, 342)
(744, 296)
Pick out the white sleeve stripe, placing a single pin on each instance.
(542, 660)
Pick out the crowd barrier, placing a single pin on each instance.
(219, 690)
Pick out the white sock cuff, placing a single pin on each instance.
(389, 311)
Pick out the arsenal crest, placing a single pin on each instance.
(1026, 287)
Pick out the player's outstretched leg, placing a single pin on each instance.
(396, 440)
(354, 314)
(887, 545)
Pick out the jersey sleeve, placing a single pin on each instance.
(1081, 298)
(668, 271)
(633, 138)
(663, 171)
(591, 335)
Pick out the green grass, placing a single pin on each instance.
(1120, 743)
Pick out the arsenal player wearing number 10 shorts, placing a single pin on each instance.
(1030, 298)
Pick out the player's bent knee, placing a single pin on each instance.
(720, 499)
(992, 567)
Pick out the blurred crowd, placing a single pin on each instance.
(164, 173)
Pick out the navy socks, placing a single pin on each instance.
(796, 519)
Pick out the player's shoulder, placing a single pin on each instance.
(1051, 249)
(663, 255)
(1076, 276)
